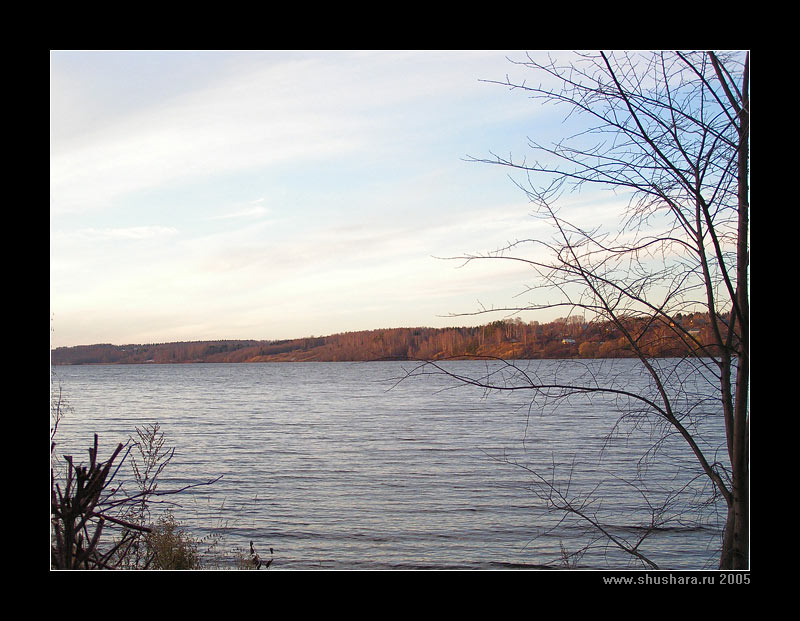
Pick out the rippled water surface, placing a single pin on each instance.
(339, 466)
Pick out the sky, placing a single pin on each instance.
(207, 195)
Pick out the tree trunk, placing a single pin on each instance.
(736, 544)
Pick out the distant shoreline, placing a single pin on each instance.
(684, 335)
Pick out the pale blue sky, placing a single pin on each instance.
(268, 195)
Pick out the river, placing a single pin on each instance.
(341, 466)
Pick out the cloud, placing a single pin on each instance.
(237, 123)
(117, 233)
(265, 110)
(250, 211)
(356, 160)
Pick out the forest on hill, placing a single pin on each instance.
(684, 335)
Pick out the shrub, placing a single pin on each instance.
(169, 546)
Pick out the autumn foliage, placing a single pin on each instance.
(510, 339)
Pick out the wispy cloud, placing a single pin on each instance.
(263, 112)
(250, 211)
(116, 233)
(273, 189)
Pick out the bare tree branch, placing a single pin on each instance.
(670, 135)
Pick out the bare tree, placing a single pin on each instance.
(81, 511)
(668, 132)
(96, 523)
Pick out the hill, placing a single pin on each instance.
(510, 339)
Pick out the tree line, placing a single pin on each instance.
(567, 337)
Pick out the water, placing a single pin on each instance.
(339, 466)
